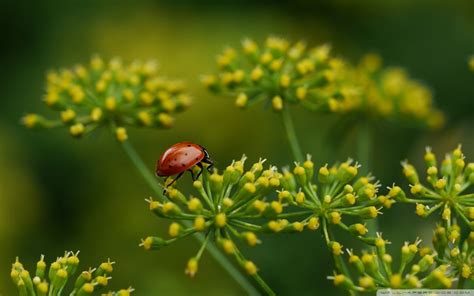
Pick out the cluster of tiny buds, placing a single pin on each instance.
(448, 187)
(52, 282)
(278, 72)
(390, 92)
(239, 203)
(282, 73)
(228, 206)
(375, 269)
(110, 93)
(337, 192)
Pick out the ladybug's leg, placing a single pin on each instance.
(174, 180)
(210, 164)
(192, 174)
(200, 171)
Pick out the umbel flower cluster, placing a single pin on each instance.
(447, 188)
(53, 281)
(278, 72)
(110, 93)
(418, 267)
(329, 195)
(226, 207)
(282, 73)
(390, 92)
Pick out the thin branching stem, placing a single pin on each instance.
(291, 134)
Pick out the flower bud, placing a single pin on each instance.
(421, 210)
(368, 212)
(227, 245)
(300, 198)
(60, 279)
(216, 181)
(177, 196)
(257, 207)
(343, 281)
(285, 196)
(152, 243)
(297, 226)
(355, 260)
(192, 267)
(41, 268)
(358, 229)
(366, 282)
(395, 281)
(231, 175)
(323, 175)
(174, 229)
(446, 166)
(199, 223)
(300, 175)
(410, 173)
(277, 103)
(370, 263)
(220, 220)
(334, 217)
(194, 205)
(309, 167)
(170, 208)
(250, 238)
(288, 181)
(425, 262)
(430, 158)
(250, 267)
(335, 248)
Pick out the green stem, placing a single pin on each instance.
(291, 134)
(215, 253)
(264, 285)
(363, 147)
(255, 276)
(363, 156)
(143, 170)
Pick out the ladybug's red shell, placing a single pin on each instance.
(178, 158)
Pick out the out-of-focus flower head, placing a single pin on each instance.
(53, 280)
(389, 92)
(471, 63)
(110, 93)
(226, 207)
(447, 187)
(418, 268)
(276, 72)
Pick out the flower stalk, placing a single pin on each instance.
(291, 135)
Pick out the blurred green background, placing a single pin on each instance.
(57, 193)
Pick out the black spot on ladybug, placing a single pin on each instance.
(183, 164)
(189, 145)
(175, 159)
(170, 166)
(197, 158)
(186, 154)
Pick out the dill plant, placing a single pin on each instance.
(233, 205)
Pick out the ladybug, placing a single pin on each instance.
(182, 157)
